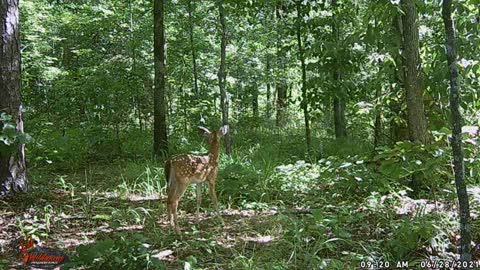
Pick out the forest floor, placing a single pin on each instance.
(334, 213)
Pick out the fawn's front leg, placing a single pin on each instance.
(213, 195)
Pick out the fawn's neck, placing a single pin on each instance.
(213, 152)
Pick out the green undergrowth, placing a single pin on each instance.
(280, 209)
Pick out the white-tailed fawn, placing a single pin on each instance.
(181, 170)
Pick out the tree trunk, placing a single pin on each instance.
(417, 121)
(339, 104)
(160, 141)
(13, 172)
(339, 118)
(255, 99)
(66, 54)
(254, 91)
(378, 109)
(301, 55)
(136, 100)
(377, 130)
(464, 208)
(237, 106)
(281, 104)
(222, 74)
(194, 51)
(184, 105)
(269, 90)
(398, 126)
(281, 85)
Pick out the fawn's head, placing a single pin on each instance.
(215, 136)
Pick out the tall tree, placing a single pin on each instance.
(13, 175)
(464, 207)
(222, 75)
(417, 121)
(301, 56)
(378, 126)
(254, 90)
(137, 99)
(192, 46)
(280, 81)
(339, 104)
(160, 140)
(398, 126)
(268, 81)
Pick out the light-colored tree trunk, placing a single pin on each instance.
(193, 48)
(222, 74)
(13, 172)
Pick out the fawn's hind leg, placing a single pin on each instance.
(199, 202)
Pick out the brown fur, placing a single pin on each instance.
(182, 170)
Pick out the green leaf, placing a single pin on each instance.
(102, 217)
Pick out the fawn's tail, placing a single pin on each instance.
(167, 166)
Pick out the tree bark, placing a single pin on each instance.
(464, 207)
(269, 91)
(253, 90)
(255, 99)
(222, 74)
(301, 55)
(281, 104)
(398, 126)
(417, 121)
(136, 100)
(339, 118)
(160, 140)
(378, 125)
(377, 130)
(66, 54)
(281, 85)
(339, 103)
(193, 49)
(13, 172)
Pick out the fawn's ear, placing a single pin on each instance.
(223, 130)
(204, 131)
